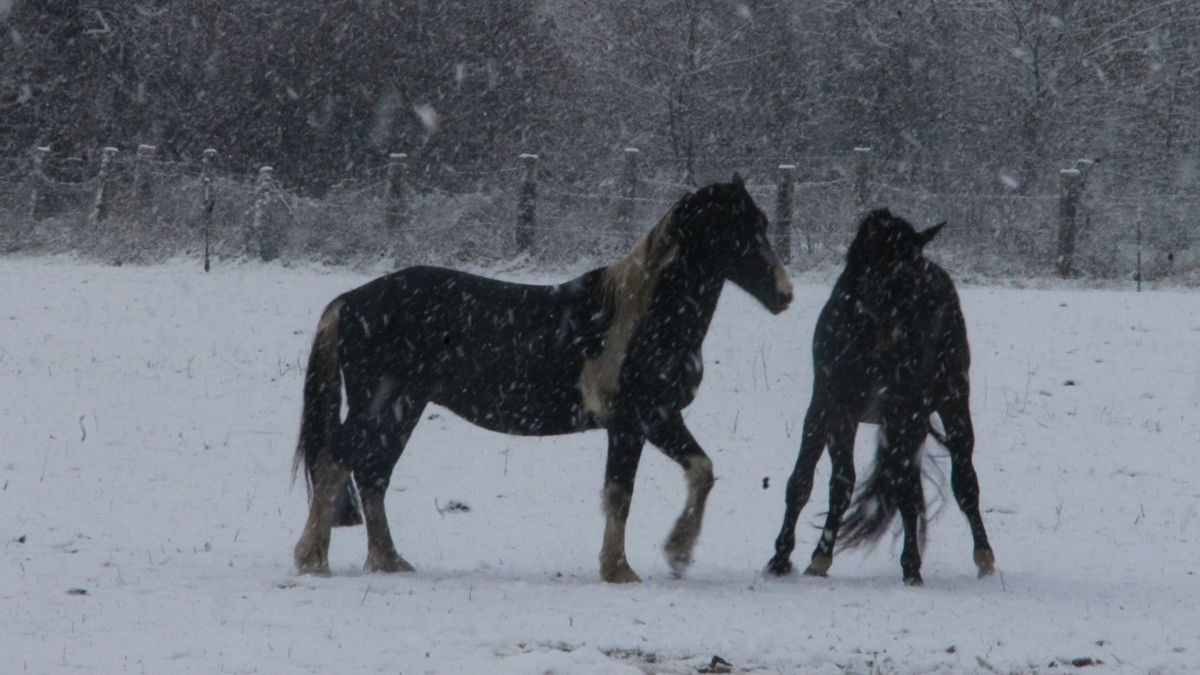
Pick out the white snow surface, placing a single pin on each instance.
(148, 417)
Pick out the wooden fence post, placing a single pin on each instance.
(1138, 273)
(143, 186)
(256, 243)
(628, 195)
(862, 177)
(395, 195)
(103, 194)
(36, 182)
(527, 203)
(210, 200)
(783, 212)
(1068, 210)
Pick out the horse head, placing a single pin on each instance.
(888, 252)
(721, 226)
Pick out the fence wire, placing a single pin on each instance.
(435, 212)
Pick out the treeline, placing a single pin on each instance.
(999, 94)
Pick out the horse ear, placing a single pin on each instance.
(928, 235)
(737, 180)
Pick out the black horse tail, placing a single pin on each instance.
(878, 500)
(321, 416)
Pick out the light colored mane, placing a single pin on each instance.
(628, 286)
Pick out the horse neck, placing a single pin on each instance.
(688, 289)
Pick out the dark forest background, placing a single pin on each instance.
(1018, 88)
(971, 110)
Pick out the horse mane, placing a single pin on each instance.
(628, 287)
(629, 277)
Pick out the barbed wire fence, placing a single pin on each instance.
(135, 207)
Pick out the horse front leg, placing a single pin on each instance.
(676, 442)
(624, 453)
(799, 485)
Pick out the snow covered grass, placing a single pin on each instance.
(147, 422)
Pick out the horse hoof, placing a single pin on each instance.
(780, 567)
(312, 559)
(985, 560)
(914, 580)
(621, 574)
(315, 569)
(678, 562)
(387, 564)
(819, 567)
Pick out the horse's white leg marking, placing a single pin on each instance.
(614, 568)
(820, 564)
(678, 549)
(381, 552)
(312, 551)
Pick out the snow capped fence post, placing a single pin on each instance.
(395, 191)
(783, 212)
(35, 181)
(862, 177)
(143, 187)
(210, 199)
(527, 203)
(1068, 209)
(257, 242)
(100, 206)
(628, 196)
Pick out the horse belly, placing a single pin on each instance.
(519, 408)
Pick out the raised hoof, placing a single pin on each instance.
(985, 560)
(914, 580)
(780, 567)
(619, 574)
(387, 564)
(819, 567)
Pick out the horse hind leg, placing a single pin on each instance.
(841, 488)
(386, 431)
(799, 485)
(674, 439)
(329, 480)
(905, 441)
(960, 441)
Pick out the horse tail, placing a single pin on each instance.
(878, 501)
(321, 416)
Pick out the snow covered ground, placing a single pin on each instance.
(147, 421)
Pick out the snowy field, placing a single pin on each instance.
(147, 423)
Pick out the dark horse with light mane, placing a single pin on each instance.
(890, 347)
(617, 348)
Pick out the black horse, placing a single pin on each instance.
(617, 348)
(890, 348)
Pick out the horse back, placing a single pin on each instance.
(911, 346)
(504, 355)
